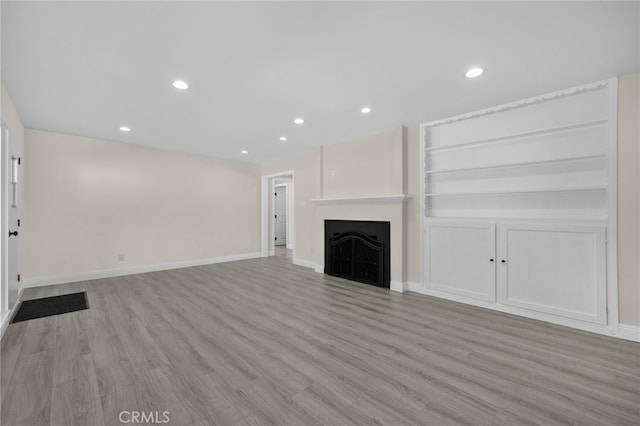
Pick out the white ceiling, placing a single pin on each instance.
(87, 68)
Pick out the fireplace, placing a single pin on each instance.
(358, 250)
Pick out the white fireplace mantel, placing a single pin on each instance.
(400, 198)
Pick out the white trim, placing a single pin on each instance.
(423, 214)
(567, 322)
(399, 198)
(612, 226)
(108, 273)
(628, 332)
(413, 286)
(289, 246)
(527, 102)
(4, 218)
(284, 174)
(319, 269)
(398, 286)
(4, 319)
(305, 263)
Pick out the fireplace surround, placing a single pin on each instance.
(358, 250)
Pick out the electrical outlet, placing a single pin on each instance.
(121, 258)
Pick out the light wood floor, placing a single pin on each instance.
(264, 342)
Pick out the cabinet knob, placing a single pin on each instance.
(490, 260)
(503, 261)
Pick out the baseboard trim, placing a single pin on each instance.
(319, 269)
(414, 286)
(5, 317)
(305, 263)
(629, 332)
(109, 273)
(289, 246)
(398, 286)
(603, 329)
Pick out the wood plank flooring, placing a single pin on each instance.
(264, 342)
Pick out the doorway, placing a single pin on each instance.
(10, 222)
(278, 215)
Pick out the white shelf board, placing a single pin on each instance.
(521, 191)
(522, 164)
(400, 198)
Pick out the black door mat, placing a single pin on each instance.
(49, 306)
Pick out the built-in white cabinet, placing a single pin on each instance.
(518, 203)
(555, 269)
(461, 258)
(559, 270)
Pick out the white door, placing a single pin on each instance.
(460, 258)
(559, 270)
(10, 217)
(280, 204)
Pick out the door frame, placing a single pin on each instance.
(4, 221)
(9, 150)
(266, 188)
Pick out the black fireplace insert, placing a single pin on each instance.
(358, 251)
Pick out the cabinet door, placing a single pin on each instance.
(558, 270)
(461, 258)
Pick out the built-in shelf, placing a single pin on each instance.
(522, 164)
(510, 138)
(519, 191)
(400, 198)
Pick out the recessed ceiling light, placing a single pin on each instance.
(125, 129)
(474, 72)
(298, 121)
(365, 110)
(244, 151)
(282, 138)
(179, 84)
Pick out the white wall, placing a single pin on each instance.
(371, 165)
(629, 198)
(305, 186)
(367, 166)
(90, 200)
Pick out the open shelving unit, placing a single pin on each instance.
(482, 158)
